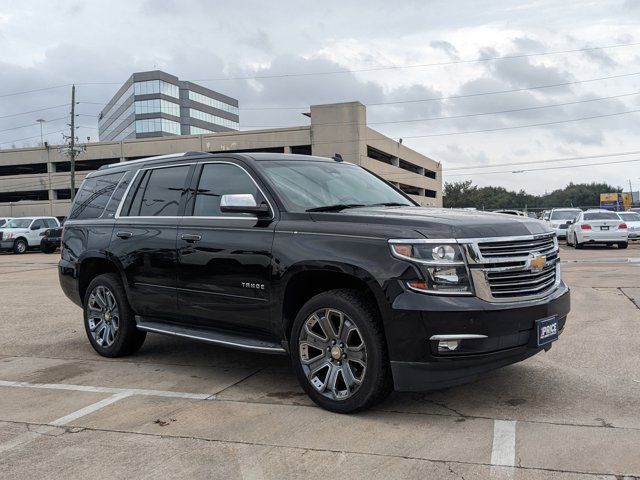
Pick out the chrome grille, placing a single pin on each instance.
(502, 271)
(517, 248)
(521, 283)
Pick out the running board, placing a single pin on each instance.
(225, 339)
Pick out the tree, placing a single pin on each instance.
(464, 194)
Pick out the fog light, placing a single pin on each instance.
(448, 345)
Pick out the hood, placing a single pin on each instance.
(442, 223)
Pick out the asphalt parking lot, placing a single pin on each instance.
(182, 410)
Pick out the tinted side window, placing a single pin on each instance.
(159, 192)
(38, 223)
(94, 195)
(50, 223)
(219, 179)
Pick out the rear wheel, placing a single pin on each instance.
(623, 244)
(20, 246)
(577, 245)
(339, 352)
(108, 318)
(46, 247)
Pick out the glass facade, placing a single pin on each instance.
(198, 131)
(208, 117)
(124, 118)
(150, 125)
(156, 86)
(212, 102)
(157, 106)
(125, 96)
(113, 127)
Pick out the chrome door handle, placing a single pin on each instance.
(124, 235)
(191, 237)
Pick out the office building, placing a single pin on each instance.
(156, 104)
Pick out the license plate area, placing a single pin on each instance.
(547, 330)
(604, 228)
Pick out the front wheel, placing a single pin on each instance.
(20, 246)
(339, 352)
(623, 245)
(108, 318)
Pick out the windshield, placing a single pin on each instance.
(564, 214)
(18, 223)
(310, 184)
(601, 216)
(630, 217)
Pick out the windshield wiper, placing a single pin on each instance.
(389, 204)
(334, 208)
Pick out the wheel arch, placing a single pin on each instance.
(92, 265)
(304, 281)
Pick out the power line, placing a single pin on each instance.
(32, 124)
(541, 124)
(546, 168)
(553, 160)
(34, 90)
(418, 65)
(29, 138)
(34, 111)
(447, 117)
(468, 95)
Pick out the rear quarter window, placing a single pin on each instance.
(93, 196)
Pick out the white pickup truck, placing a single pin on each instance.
(20, 234)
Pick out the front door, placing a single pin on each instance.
(144, 239)
(224, 259)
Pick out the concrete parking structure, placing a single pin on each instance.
(178, 409)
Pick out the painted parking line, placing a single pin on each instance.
(129, 391)
(503, 451)
(117, 394)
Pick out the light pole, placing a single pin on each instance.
(41, 121)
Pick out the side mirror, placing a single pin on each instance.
(243, 203)
(35, 227)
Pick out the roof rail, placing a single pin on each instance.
(147, 159)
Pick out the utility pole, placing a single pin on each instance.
(71, 150)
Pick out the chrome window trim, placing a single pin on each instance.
(133, 181)
(204, 217)
(255, 218)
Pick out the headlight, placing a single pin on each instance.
(8, 235)
(443, 266)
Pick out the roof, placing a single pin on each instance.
(250, 156)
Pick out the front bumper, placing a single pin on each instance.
(509, 327)
(6, 244)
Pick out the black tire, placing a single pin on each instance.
(45, 247)
(128, 339)
(577, 245)
(376, 382)
(623, 245)
(20, 246)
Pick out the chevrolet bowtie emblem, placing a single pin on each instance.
(537, 262)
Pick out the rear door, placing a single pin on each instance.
(224, 259)
(144, 238)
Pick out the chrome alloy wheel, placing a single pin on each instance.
(333, 353)
(103, 316)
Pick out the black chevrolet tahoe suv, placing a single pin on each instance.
(313, 258)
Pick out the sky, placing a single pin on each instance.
(427, 71)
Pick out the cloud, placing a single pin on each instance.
(446, 47)
(259, 40)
